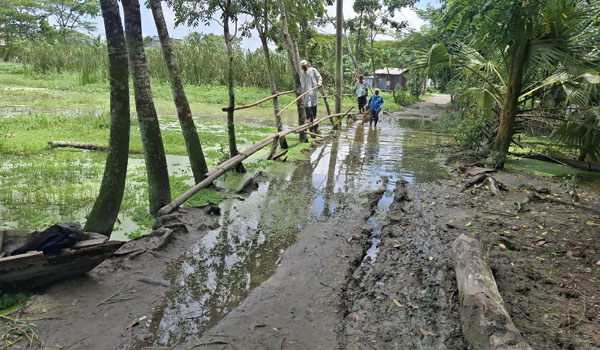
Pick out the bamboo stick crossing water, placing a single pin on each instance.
(229, 164)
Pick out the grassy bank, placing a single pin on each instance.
(40, 186)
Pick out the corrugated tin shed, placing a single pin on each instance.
(391, 71)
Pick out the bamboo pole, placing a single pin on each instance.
(313, 134)
(233, 161)
(225, 109)
(297, 98)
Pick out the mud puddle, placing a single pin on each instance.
(243, 250)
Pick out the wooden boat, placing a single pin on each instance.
(34, 269)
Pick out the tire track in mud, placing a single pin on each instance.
(407, 298)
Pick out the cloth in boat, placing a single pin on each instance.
(54, 239)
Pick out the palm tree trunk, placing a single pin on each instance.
(184, 113)
(273, 86)
(159, 191)
(511, 99)
(230, 121)
(106, 208)
(294, 58)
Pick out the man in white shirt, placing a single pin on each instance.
(309, 79)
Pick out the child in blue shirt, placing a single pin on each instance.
(375, 106)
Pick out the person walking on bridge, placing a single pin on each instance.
(375, 106)
(361, 90)
(310, 78)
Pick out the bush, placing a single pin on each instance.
(472, 131)
(403, 97)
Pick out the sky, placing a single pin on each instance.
(149, 29)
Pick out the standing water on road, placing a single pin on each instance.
(219, 271)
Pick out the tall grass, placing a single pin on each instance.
(201, 58)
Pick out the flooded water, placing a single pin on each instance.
(221, 269)
(584, 179)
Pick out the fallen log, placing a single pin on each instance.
(229, 164)
(79, 145)
(226, 109)
(486, 325)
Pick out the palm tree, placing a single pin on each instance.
(184, 113)
(524, 36)
(543, 36)
(106, 208)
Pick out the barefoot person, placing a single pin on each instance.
(375, 107)
(361, 89)
(310, 78)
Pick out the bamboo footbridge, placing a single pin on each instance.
(273, 139)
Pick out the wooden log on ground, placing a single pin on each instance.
(79, 145)
(486, 325)
(226, 109)
(229, 164)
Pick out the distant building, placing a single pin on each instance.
(388, 78)
(154, 41)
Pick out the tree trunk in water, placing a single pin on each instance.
(272, 85)
(230, 121)
(184, 113)
(294, 58)
(159, 191)
(339, 47)
(106, 208)
(511, 99)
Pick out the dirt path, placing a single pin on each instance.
(348, 249)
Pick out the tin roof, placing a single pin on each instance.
(391, 71)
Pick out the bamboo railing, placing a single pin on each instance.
(225, 109)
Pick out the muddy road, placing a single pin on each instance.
(348, 248)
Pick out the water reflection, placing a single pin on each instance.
(221, 269)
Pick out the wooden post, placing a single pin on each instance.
(339, 73)
(274, 147)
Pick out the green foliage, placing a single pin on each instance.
(10, 302)
(196, 56)
(72, 14)
(404, 97)
(582, 133)
(472, 130)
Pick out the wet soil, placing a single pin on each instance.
(347, 249)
